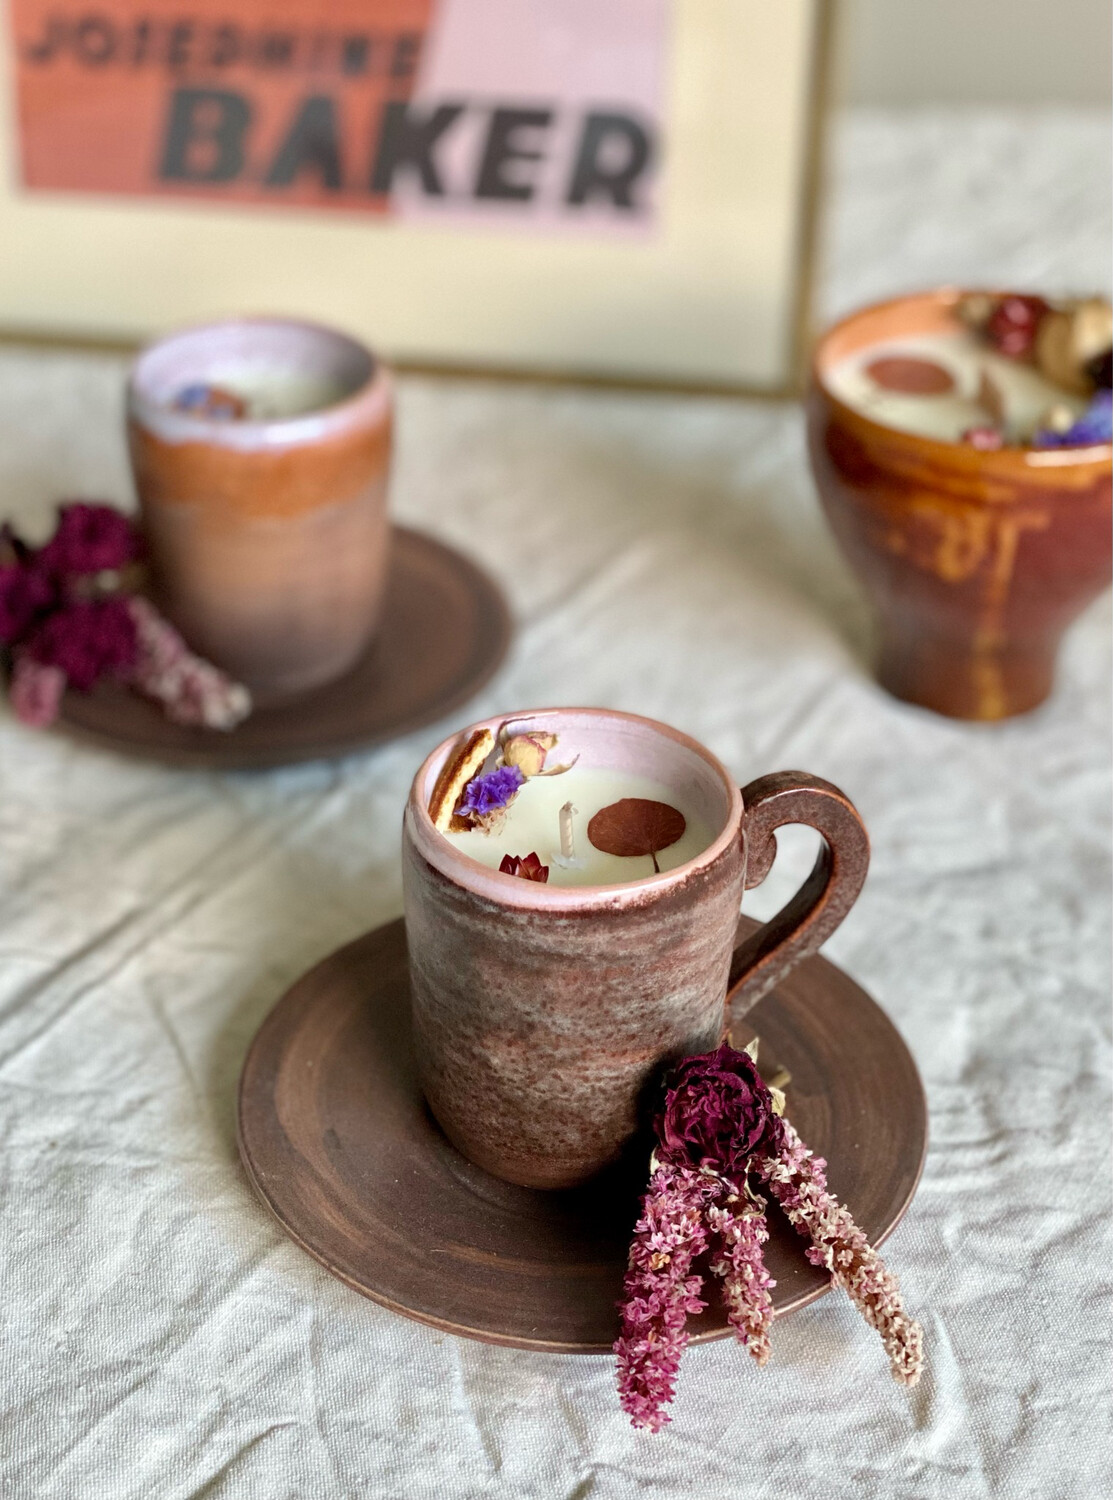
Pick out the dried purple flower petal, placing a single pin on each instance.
(1095, 425)
(90, 539)
(487, 794)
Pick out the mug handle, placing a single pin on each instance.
(763, 959)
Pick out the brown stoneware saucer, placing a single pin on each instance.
(338, 1143)
(445, 629)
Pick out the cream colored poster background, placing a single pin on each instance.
(709, 297)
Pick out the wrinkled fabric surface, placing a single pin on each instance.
(160, 1335)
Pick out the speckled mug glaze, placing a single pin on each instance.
(543, 1013)
(976, 561)
(269, 538)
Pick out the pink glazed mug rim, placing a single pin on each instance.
(528, 895)
(366, 404)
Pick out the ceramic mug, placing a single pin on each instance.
(976, 560)
(541, 1012)
(268, 537)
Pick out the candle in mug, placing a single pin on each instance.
(504, 803)
(934, 385)
(1009, 371)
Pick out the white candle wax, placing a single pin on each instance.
(1027, 394)
(532, 826)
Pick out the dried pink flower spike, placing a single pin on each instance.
(797, 1180)
(191, 691)
(660, 1291)
(36, 691)
(740, 1231)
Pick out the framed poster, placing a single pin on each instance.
(604, 189)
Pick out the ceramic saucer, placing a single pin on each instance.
(444, 631)
(338, 1143)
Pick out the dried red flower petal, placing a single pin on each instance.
(636, 826)
(526, 866)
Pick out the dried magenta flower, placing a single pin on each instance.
(86, 640)
(90, 539)
(988, 439)
(716, 1111)
(26, 593)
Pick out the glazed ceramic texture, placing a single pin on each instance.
(975, 561)
(269, 539)
(543, 1015)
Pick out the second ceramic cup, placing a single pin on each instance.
(541, 1012)
(268, 533)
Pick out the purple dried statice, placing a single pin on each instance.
(492, 793)
(1095, 425)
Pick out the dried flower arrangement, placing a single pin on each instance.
(1069, 342)
(722, 1136)
(70, 616)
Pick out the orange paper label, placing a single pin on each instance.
(534, 110)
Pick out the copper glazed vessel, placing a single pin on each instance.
(976, 561)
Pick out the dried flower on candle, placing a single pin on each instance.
(527, 867)
(1070, 337)
(1013, 325)
(985, 438)
(636, 826)
(718, 1124)
(490, 794)
(527, 752)
(1095, 425)
(201, 400)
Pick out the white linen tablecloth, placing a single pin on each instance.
(160, 1335)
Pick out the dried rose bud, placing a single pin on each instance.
(1013, 325)
(526, 866)
(1069, 338)
(528, 752)
(986, 438)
